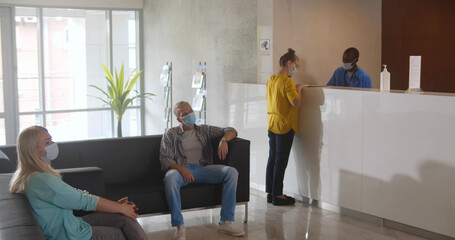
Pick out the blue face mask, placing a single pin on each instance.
(51, 152)
(190, 119)
(292, 71)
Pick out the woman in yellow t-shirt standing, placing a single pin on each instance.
(283, 100)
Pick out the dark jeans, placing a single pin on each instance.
(114, 226)
(279, 150)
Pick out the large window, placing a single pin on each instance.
(59, 54)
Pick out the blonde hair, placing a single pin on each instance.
(177, 107)
(28, 161)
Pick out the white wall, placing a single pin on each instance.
(248, 114)
(221, 33)
(320, 31)
(265, 31)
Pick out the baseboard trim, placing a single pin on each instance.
(415, 231)
(373, 219)
(352, 213)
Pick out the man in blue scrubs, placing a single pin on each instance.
(350, 75)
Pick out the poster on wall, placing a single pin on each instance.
(264, 47)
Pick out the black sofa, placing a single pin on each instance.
(119, 167)
(16, 218)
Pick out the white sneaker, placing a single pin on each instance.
(180, 233)
(228, 228)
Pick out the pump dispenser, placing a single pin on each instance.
(385, 79)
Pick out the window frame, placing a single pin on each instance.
(12, 113)
(9, 75)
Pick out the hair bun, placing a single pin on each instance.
(289, 56)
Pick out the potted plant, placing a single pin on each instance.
(118, 91)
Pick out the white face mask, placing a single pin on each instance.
(292, 71)
(347, 66)
(51, 152)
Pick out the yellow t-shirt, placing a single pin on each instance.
(283, 117)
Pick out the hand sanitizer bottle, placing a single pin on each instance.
(385, 79)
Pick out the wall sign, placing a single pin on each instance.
(264, 47)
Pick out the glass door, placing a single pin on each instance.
(7, 98)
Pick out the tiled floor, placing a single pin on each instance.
(266, 221)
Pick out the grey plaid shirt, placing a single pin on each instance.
(171, 150)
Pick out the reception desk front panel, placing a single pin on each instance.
(390, 155)
(409, 159)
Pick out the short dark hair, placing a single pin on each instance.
(352, 51)
(290, 55)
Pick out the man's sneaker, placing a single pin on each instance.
(283, 201)
(269, 198)
(228, 228)
(180, 233)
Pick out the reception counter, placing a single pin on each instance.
(386, 154)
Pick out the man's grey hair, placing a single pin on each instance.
(177, 107)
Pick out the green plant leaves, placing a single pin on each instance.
(117, 91)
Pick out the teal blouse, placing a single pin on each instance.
(53, 202)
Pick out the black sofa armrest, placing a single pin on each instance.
(239, 158)
(5, 166)
(90, 179)
(8, 160)
(16, 217)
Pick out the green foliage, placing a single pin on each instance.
(118, 90)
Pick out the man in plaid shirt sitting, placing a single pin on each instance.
(186, 157)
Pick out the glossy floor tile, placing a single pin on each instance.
(266, 221)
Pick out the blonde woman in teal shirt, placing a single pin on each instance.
(53, 201)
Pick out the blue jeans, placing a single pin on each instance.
(279, 150)
(173, 180)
